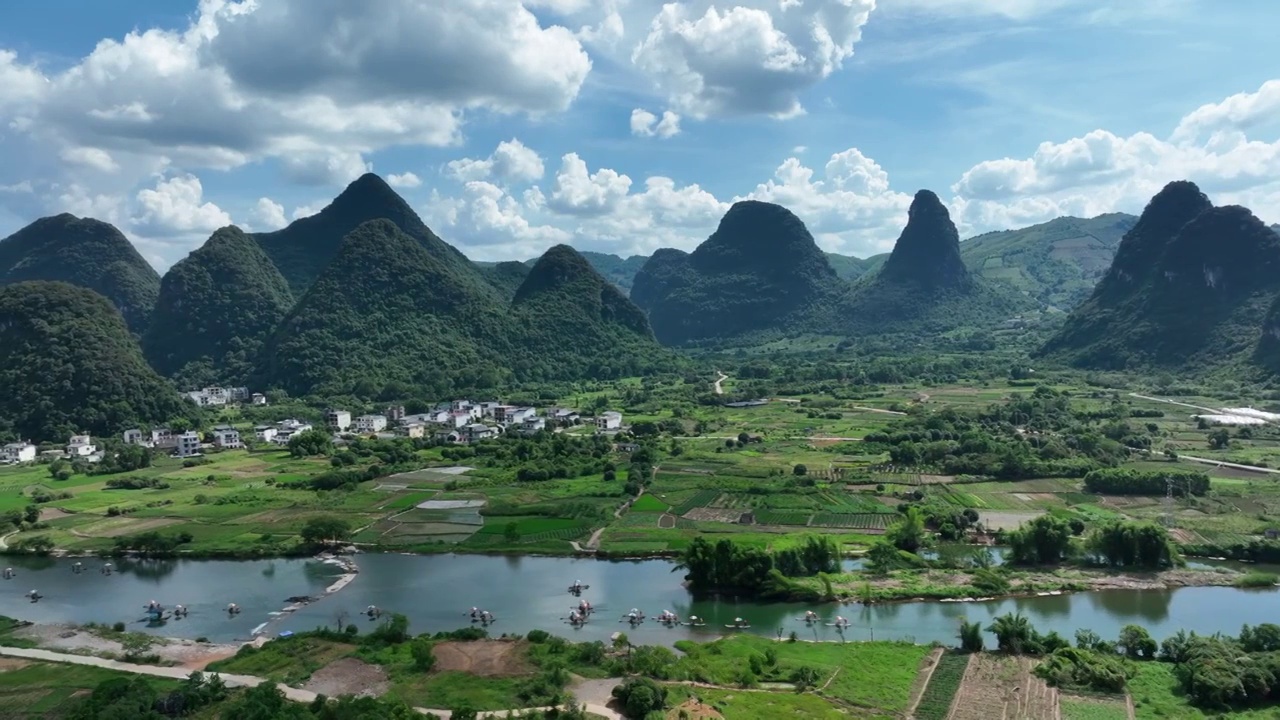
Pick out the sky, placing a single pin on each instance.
(623, 126)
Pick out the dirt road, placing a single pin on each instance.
(722, 378)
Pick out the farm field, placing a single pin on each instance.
(935, 703)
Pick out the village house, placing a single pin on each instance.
(609, 420)
(520, 414)
(488, 407)
(227, 437)
(500, 413)
(163, 438)
(81, 446)
(338, 420)
(533, 424)
(412, 430)
(19, 452)
(286, 429)
(258, 399)
(264, 433)
(394, 413)
(563, 417)
(188, 444)
(134, 437)
(371, 423)
(476, 432)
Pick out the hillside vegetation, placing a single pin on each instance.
(70, 365)
(84, 252)
(216, 308)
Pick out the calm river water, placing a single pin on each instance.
(525, 593)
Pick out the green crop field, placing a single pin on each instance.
(935, 703)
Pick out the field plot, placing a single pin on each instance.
(994, 520)
(1080, 707)
(1001, 687)
(854, 521)
(935, 703)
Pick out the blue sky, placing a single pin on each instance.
(511, 125)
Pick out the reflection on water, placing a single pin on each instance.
(436, 593)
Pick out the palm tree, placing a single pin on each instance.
(1013, 632)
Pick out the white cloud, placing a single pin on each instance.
(89, 157)
(238, 85)
(850, 208)
(404, 180)
(1103, 172)
(754, 58)
(646, 124)
(1013, 9)
(510, 162)
(308, 210)
(579, 192)
(176, 205)
(268, 215)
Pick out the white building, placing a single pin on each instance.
(19, 452)
(188, 444)
(238, 394)
(477, 432)
(412, 430)
(264, 433)
(563, 416)
(258, 399)
(532, 425)
(338, 420)
(286, 429)
(163, 438)
(80, 446)
(609, 420)
(134, 437)
(227, 437)
(371, 423)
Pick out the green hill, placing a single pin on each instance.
(848, 267)
(389, 317)
(304, 249)
(505, 276)
(70, 365)
(760, 272)
(577, 324)
(1192, 286)
(617, 270)
(216, 308)
(84, 252)
(1056, 263)
(923, 287)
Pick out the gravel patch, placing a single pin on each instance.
(349, 676)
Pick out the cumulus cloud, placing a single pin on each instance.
(1102, 172)
(646, 124)
(576, 191)
(176, 205)
(268, 215)
(89, 157)
(512, 161)
(404, 180)
(753, 58)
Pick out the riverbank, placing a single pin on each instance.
(101, 642)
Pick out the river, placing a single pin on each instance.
(435, 592)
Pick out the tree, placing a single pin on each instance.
(800, 470)
(908, 532)
(1219, 439)
(323, 529)
(1136, 643)
(1013, 632)
(310, 442)
(421, 650)
(640, 696)
(31, 514)
(135, 644)
(511, 532)
(970, 636)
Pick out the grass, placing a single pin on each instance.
(649, 503)
(47, 690)
(758, 705)
(1156, 694)
(935, 703)
(1087, 708)
(288, 660)
(871, 674)
(452, 689)
(1257, 579)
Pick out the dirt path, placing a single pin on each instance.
(1236, 466)
(593, 543)
(722, 378)
(878, 410)
(4, 539)
(922, 679)
(1174, 402)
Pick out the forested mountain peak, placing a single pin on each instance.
(388, 314)
(1224, 250)
(760, 271)
(70, 365)
(565, 275)
(761, 237)
(1142, 247)
(927, 252)
(302, 250)
(216, 307)
(84, 252)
